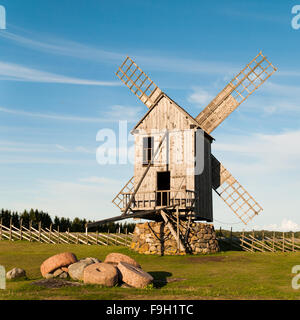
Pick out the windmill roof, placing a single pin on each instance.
(177, 106)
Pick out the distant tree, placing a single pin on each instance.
(77, 225)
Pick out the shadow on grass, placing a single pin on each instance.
(160, 278)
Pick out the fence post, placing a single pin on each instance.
(58, 234)
(40, 231)
(77, 240)
(177, 235)
(86, 235)
(282, 241)
(243, 235)
(68, 232)
(50, 232)
(107, 236)
(30, 226)
(252, 242)
(293, 237)
(273, 241)
(1, 229)
(21, 225)
(97, 236)
(10, 229)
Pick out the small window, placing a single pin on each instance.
(148, 143)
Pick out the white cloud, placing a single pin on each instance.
(62, 47)
(285, 226)
(200, 97)
(42, 160)
(267, 165)
(62, 117)
(15, 72)
(100, 180)
(264, 152)
(74, 49)
(62, 148)
(119, 112)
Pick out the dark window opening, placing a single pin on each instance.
(148, 144)
(163, 188)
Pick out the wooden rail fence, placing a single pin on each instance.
(252, 243)
(246, 242)
(50, 235)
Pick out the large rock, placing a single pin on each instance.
(116, 258)
(57, 272)
(91, 260)
(133, 276)
(101, 273)
(15, 273)
(57, 261)
(75, 270)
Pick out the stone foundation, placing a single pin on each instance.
(155, 238)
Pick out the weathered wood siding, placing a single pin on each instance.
(165, 115)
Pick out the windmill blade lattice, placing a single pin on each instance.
(237, 91)
(233, 193)
(138, 82)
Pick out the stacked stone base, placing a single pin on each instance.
(156, 238)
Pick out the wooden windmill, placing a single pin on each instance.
(162, 189)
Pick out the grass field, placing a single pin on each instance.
(226, 275)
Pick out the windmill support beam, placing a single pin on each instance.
(172, 230)
(144, 174)
(139, 214)
(117, 218)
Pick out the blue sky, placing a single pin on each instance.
(58, 88)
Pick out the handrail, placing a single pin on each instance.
(159, 198)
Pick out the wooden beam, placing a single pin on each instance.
(144, 174)
(173, 232)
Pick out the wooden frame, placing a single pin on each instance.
(233, 193)
(138, 82)
(238, 90)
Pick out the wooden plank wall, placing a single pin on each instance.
(166, 116)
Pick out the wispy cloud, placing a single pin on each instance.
(43, 160)
(200, 96)
(24, 147)
(157, 61)
(124, 112)
(285, 226)
(15, 72)
(100, 180)
(262, 153)
(61, 117)
(81, 51)
(61, 47)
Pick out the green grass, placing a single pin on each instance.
(225, 275)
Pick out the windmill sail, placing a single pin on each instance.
(237, 91)
(233, 193)
(138, 82)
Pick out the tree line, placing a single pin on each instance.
(36, 217)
